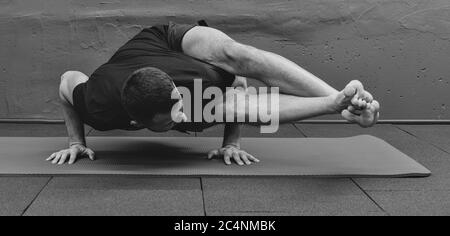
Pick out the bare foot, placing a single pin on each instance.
(367, 117)
(352, 95)
(356, 105)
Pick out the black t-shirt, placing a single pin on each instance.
(98, 101)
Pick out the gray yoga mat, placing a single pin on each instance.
(186, 156)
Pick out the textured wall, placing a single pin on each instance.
(399, 48)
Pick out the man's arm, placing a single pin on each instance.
(217, 48)
(232, 132)
(74, 124)
(231, 147)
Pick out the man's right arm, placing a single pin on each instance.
(74, 124)
(73, 121)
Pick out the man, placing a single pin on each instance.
(134, 89)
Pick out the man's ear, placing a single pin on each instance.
(176, 114)
(183, 117)
(178, 117)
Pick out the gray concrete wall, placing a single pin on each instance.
(399, 48)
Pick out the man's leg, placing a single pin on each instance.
(219, 49)
(290, 108)
(277, 71)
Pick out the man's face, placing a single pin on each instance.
(163, 122)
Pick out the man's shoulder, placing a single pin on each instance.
(69, 81)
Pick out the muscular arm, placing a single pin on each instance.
(231, 147)
(74, 124)
(217, 48)
(232, 132)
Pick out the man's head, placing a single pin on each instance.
(147, 97)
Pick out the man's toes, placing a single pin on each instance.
(353, 110)
(375, 105)
(366, 96)
(376, 110)
(372, 107)
(355, 87)
(349, 116)
(357, 84)
(359, 103)
(370, 115)
(362, 104)
(350, 91)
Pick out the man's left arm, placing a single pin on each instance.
(231, 147)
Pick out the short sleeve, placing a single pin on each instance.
(175, 34)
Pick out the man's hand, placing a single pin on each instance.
(230, 151)
(72, 153)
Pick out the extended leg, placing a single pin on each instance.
(217, 48)
(246, 106)
(214, 46)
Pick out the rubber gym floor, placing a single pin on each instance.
(212, 196)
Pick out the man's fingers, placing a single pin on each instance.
(63, 158)
(240, 157)
(252, 158)
(73, 157)
(51, 157)
(70, 155)
(245, 159)
(213, 154)
(227, 158)
(237, 158)
(91, 155)
(56, 159)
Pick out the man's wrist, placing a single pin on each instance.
(72, 144)
(235, 145)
